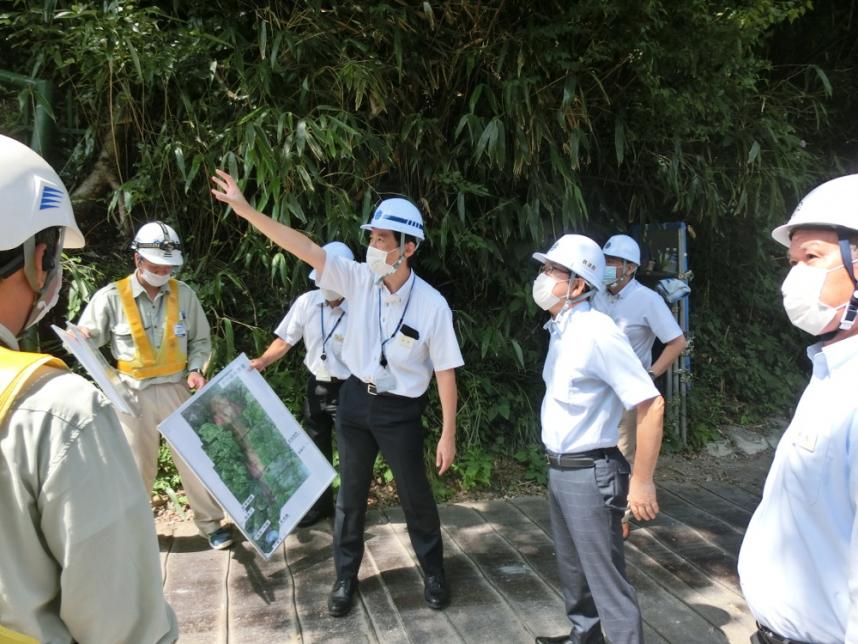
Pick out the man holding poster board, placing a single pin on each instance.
(159, 337)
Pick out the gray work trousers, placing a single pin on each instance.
(586, 507)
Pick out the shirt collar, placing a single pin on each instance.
(401, 293)
(833, 357)
(8, 338)
(627, 290)
(558, 324)
(342, 306)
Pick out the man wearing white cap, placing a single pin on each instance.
(643, 316)
(319, 317)
(79, 557)
(798, 564)
(400, 332)
(591, 374)
(160, 339)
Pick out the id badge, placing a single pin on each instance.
(384, 380)
(179, 329)
(322, 374)
(405, 341)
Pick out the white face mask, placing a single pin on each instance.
(330, 296)
(376, 259)
(543, 287)
(153, 279)
(801, 290)
(47, 298)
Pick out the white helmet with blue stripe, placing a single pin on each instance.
(34, 200)
(33, 197)
(397, 214)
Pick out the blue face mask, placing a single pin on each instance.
(610, 275)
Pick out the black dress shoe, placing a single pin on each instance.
(314, 516)
(435, 591)
(341, 597)
(561, 639)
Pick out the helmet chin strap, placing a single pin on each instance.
(572, 301)
(848, 319)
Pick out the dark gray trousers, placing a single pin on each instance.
(587, 507)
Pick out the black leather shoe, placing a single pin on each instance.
(313, 516)
(341, 597)
(435, 591)
(561, 639)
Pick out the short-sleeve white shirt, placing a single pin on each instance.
(374, 315)
(798, 564)
(312, 319)
(642, 315)
(590, 374)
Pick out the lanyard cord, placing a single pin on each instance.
(383, 359)
(325, 338)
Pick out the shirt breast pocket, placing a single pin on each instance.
(123, 341)
(808, 465)
(407, 345)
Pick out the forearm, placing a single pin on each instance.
(672, 350)
(650, 418)
(276, 350)
(448, 395)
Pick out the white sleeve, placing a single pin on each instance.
(291, 327)
(444, 349)
(345, 276)
(660, 319)
(852, 619)
(616, 363)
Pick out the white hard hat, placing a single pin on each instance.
(624, 247)
(334, 248)
(833, 204)
(579, 254)
(158, 243)
(397, 214)
(33, 197)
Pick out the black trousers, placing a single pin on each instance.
(365, 425)
(320, 414)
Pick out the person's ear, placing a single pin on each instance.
(578, 287)
(410, 248)
(42, 262)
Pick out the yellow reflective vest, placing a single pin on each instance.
(147, 363)
(17, 368)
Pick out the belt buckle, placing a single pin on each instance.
(371, 390)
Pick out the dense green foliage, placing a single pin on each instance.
(508, 123)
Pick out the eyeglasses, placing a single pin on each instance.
(553, 269)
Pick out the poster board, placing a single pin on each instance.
(96, 366)
(251, 454)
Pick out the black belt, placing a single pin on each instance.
(768, 636)
(580, 460)
(372, 391)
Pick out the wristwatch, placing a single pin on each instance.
(197, 370)
(652, 374)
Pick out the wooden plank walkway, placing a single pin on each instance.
(500, 563)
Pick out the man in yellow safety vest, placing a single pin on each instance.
(79, 559)
(159, 337)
